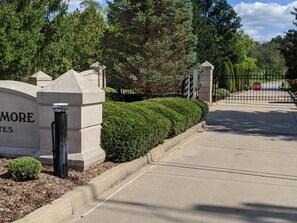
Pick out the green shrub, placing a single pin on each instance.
(186, 108)
(159, 125)
(204, 108)
(24, 168)
(130, 130)
(177, 120)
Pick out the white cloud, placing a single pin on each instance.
(262, 37)
(259, 18)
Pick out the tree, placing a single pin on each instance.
(151, 42)
(223, 81)
(42, 35)
(206, 34)
(55, 56)
(90, 4)
(221, 29)
(288, 50)
(269, 58)
(246, 46)
(89, 28)
(34, 36)
(219, 40)
(21, 24)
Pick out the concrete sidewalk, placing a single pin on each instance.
(242, 169)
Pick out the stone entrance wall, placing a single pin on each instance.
(26, 113)
(19, 119)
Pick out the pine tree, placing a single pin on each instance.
(151, 42)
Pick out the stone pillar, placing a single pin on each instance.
(84, 119)
(91, 75)
(101, 70)
(206, 82)
(40, 79)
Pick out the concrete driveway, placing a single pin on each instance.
(242, 169)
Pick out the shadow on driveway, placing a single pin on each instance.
(280, 124)
(253, 212)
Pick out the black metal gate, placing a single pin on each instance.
(252, 88)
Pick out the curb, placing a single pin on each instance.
(72, 203)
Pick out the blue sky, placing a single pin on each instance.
(262, 19)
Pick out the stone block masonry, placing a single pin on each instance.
(26, 113)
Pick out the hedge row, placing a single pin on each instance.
(130, 130)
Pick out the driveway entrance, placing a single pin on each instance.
(243, 169)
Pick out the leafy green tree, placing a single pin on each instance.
(269, 58)
(246, 45)
(151, 42)
(206, 34)
(42, 35)
(34, 36)
(288, 49)
(88, 32)
(219, 39)
(56, 54)
(223, 25)
(21, 24)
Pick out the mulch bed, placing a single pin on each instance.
(18, 199)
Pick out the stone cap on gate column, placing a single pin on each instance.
(90, 75)
(207, 65)
(96, 66)
(72, 88)
(40, 79)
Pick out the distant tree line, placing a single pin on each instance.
(152, 44)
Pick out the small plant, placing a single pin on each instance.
(24, 168)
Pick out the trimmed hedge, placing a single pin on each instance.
(130, 130)
(176, 119)
(187, 108)
(204, 108)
